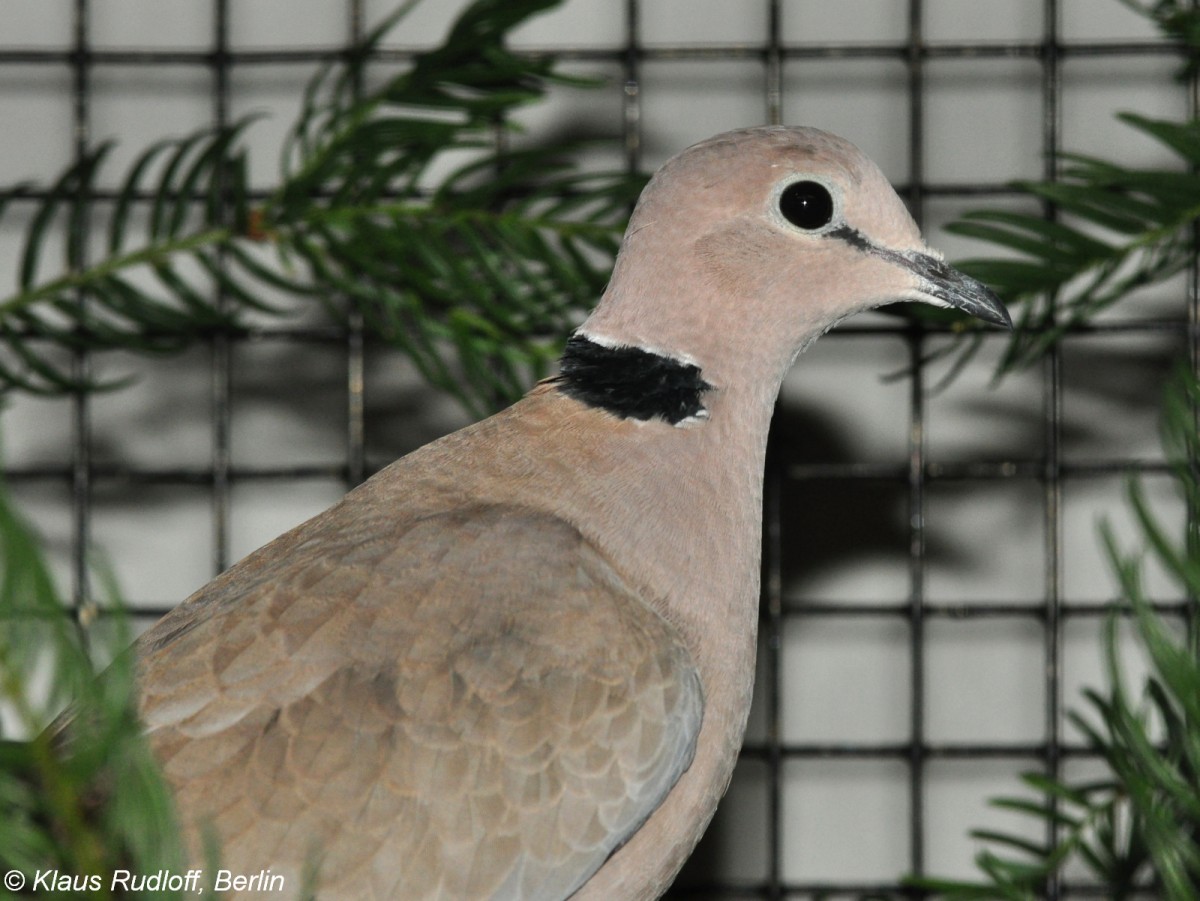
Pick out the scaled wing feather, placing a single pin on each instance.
(466, 704)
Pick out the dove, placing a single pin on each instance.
(517, 662)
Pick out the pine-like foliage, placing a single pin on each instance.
(1107, 230)
(1134, 832)
(477, 275)
(89, 801)
(1117, 230)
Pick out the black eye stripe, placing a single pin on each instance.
(807, 205)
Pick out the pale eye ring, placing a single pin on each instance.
(806, 204)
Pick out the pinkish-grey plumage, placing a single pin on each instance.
(517, 663)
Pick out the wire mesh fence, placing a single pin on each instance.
(933, 582)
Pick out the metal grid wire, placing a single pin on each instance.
(771, 809)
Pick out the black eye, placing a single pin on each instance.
(806, 204)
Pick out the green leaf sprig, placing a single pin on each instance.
(475, 275)
(1135, 830)
(1118, 230)
(89, 798)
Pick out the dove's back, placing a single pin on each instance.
(429, 694)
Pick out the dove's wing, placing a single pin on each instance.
(468, 704)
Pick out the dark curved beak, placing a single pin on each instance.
(957, 289)
(938, 283)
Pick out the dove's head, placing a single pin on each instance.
(747, 246)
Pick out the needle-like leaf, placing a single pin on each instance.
(467, 275)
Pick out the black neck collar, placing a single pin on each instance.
(630, 382)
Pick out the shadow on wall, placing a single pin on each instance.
(1111, 399)
(831, 528)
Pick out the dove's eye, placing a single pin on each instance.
(807, 205)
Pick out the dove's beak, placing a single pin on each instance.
(936, 282)
(944, 285)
